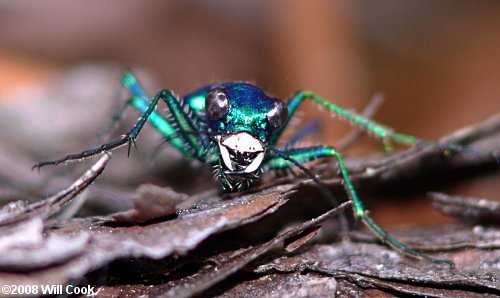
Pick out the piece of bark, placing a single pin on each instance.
(374, 266)
(356, 268)
(25, 248)
(209, 276)
(108, 240)
(467, 208)
(151, 202)
(45, 208)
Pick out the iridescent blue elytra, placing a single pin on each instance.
(235, 127)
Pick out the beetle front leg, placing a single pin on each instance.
(303, 155)
(185, 130)
(128, 138)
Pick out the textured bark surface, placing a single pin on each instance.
(263, 242)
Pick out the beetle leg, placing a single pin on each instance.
(303, 155)
(185, 130)
(387, 134)
(140, 101)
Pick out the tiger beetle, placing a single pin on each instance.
(235, 127)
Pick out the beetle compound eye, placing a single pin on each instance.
(216, 104)
(278, 114)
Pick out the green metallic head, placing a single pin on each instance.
(242, 119)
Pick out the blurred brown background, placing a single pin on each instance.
(436, 62)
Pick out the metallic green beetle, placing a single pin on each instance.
(235, 127)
